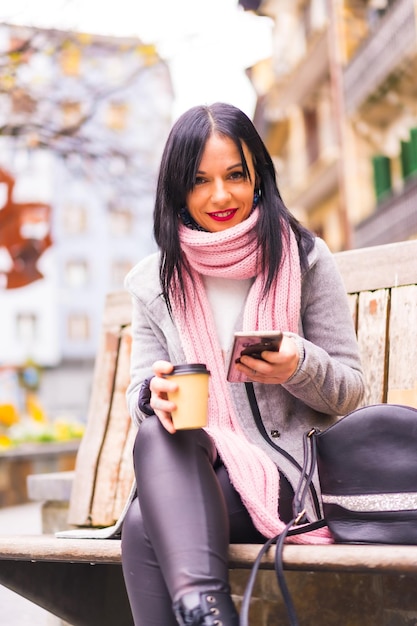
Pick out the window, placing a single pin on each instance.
(382, 176)
(78, 327)
(76, 274)
(74, 219)
(26, 327)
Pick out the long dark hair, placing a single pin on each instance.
(179, 164)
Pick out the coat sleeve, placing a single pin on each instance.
(329, 377)
(154, 334)
(148, 340)
(145, 350)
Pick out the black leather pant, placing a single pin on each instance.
(176, 534)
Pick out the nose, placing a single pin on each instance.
(220, 192)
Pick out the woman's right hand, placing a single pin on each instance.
(159, 387)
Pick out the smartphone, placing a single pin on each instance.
(251, 344)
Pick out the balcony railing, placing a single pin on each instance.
(381, 53)
(395, 219)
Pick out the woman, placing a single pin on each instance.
(231, 258)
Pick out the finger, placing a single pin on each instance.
(164, 405)
(260, 371)
(166, 421)
(254, 366)
(161, 386)
(162, 367)
(268, 356)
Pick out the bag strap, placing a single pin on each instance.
(294, 527)
(250, 392)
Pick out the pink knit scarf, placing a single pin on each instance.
(233, 253)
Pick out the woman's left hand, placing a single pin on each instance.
(275, 367)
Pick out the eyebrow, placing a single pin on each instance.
(231, 167)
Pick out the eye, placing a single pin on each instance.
(199, 181)
(238, 175)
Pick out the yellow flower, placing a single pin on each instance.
(8, 414)
(34, 408)
(64, 431)
(5, 442)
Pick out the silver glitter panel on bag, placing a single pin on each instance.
(375, 502)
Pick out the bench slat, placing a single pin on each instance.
(126, 474)
(372, 338)
(49, 548)
(108, 466)
(353, 299)
(335, 557)
(98, 413)
(377, 267)
(331, 558)
(402, 373)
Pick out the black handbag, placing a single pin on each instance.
(367, 469)
(367, 466)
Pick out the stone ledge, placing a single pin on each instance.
(34, 459)
(53, 486)
(40, 449)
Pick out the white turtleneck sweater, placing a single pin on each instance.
(226, 297)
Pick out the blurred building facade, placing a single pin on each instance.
(83, 122)
(337, 107)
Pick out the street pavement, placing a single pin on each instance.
(16, 610)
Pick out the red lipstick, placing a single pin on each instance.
(223, 216)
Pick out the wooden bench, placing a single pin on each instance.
(80, 580)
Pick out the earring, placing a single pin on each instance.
(188, 221)
(257, 194)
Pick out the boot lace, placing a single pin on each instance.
(196, 617)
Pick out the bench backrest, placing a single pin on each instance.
(382, 286)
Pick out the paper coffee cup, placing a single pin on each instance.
(191, 396)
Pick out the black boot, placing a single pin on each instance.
(206, 609)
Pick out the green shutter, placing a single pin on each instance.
(405, 158)
(413, 150)
(382, 175)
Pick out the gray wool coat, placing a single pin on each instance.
(327, 384)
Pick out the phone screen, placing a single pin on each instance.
(251, 344)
